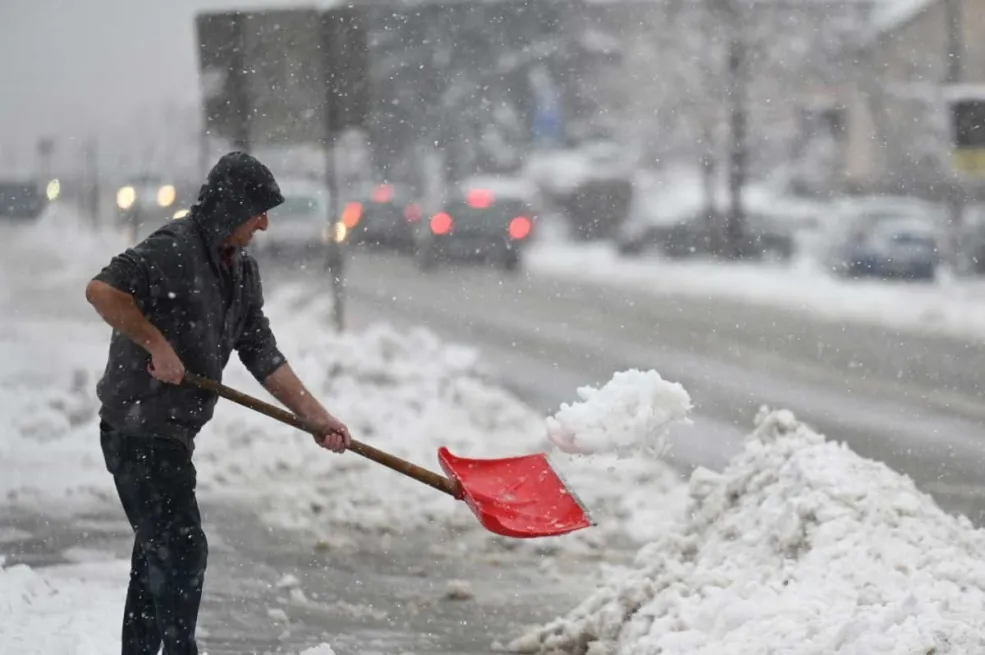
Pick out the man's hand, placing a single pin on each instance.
(331, 433)
(165, 364)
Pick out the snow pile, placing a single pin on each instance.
(799, 546)
(407, 393)
(631, 413)
(321, 649)
(73, 608)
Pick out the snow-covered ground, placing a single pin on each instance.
(72, 609)
(954, 307)
(798, 546)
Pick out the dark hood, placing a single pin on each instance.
(238, 188)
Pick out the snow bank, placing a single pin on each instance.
(630, 414)
(407, 393)
(73, 609)
(799, 546)
(950, 306)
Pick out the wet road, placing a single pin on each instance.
(911, 401)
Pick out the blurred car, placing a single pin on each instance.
(479, 223)
(21, 200)
(145, 201)
(886, 245)
(299, 224)
(383, 215)
(672, 218)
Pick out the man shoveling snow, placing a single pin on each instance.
(187, 296)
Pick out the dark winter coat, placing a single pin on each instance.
(202, 307)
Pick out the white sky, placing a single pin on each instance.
(72, 68)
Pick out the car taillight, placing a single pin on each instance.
(441, 223)
(351, 215)
(383, 194)
(520, 227)
(480, 198)
(412, 213)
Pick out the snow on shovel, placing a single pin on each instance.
(521, 497)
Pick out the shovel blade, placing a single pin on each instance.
(519, 497)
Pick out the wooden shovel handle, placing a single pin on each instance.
(439, 482)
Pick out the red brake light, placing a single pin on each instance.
(480, 198)
(383, 193)
(441, 223)
(351, 215)
(412, 212)
(520, 227)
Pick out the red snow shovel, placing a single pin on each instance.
(516, 497)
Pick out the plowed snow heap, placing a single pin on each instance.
(799, 547)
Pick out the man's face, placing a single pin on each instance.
(243, 234)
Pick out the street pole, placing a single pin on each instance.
(335, 259)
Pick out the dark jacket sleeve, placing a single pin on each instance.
(135, 270)
(256, 345)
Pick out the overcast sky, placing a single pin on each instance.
(70, 68)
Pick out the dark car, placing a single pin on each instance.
(21, 201)
(691, 236)
(382, 216)
(477, 224)
(887, 246)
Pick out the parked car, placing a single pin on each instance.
(886, 245)
(297, 226)
(477, 222)
(21, 200)
(383, 215)
(671, 217)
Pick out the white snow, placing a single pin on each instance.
(630, 414)
(798, 546)
(949, 307)
(70, 609)
(321, 649)
(74, 609)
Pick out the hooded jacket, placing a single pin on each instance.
(204, 308)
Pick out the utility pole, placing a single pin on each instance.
(91, 177)
(335, 262)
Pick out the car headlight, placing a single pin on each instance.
(54, 189)
(181, 213)
(337, 232)
(166, 195)
(125, 197)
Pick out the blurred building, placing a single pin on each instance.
(915, 109)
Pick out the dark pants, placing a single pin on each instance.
(155, 479)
